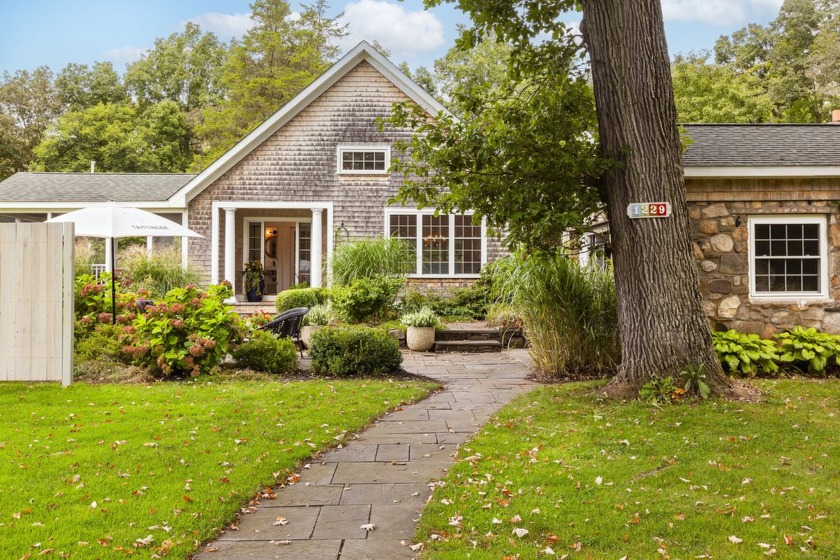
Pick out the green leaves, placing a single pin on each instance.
(745, 354)
(809, 347)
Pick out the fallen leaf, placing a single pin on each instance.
(519, 532)
(735, 540)
(367, 527)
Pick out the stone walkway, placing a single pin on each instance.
(384, 477)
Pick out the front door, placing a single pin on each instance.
(280, 256)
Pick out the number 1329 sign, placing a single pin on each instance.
(649, 210)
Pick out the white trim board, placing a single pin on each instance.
(759, 171)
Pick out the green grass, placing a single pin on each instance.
(86, 471)
(597, 479)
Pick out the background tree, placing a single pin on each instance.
(185, 67)
(717, 93)
(120, 137)
(278, 57)
(79, 86)
(28, 104)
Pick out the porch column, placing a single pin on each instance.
(149, 245)
(230, 246)
(315, 249)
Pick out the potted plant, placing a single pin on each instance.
(254, 280)
(318, 316)
(420, 331)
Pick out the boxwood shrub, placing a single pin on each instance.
(302, 297)
(366, 299)
(265, 352)
(354, 350)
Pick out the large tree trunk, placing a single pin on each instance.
(662, 325)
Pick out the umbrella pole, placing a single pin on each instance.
(113, 284)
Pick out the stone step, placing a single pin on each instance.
(247, 308)
(467, 346)
(468, 334)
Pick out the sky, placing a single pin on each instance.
(57, 32)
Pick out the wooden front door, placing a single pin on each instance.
(280, 256)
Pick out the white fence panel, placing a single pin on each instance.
(36, 302)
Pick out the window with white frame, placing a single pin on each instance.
(444, 245)
(370, 159)
(788, 256)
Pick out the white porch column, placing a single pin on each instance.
(149, 245)
(230, 246)
(315, 249)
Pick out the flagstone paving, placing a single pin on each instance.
(384, 476)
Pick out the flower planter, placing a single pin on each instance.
(253, 295)
(420, 339)
(306, 333)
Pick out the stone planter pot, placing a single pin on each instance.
(306, 333)
(420, 339)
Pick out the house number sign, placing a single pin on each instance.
(649, 210)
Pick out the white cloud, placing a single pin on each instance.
(124, 55)
(398, 30)
(226, 26)
(720, 12)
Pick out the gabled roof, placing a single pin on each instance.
(763, 145)
(91, 187)
(362, 52)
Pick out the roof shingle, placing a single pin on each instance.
(763, 145)
(92, 187)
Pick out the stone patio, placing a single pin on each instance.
(384, 476)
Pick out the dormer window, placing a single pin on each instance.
(364, 159)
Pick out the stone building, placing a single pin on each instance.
(763, 202)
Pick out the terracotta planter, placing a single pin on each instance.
(306, 333)
(420, 339)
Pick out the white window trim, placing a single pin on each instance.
(807, 297)
(341, 148)
(419, 237)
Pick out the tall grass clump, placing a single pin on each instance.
(371, 258)
(85, 255)
(569, 312)
(159, 272)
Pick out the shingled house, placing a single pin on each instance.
(313, 174)
(762, 200)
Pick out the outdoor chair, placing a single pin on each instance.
(287, 325)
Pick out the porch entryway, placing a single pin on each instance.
(286, 237)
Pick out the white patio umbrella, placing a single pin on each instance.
(111, 221)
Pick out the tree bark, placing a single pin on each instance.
(661, 321)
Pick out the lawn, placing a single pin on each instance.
(560, 472)
(105, 471)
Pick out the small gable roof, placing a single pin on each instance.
(91, 187)
(763, 145)
(362, 52)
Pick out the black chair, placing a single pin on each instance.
(142, 304)
(287, 325)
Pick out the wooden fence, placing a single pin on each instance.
(36, 302)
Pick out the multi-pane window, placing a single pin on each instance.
(788, 256)
(447, 244)
(363, 159)
(255, 241)
(435, 244)
(467, 245)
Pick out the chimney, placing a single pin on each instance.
(835, 116)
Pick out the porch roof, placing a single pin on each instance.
(92, 187)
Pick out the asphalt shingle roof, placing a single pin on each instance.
(91, 187)
(763, 145)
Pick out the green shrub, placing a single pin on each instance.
(186, 333)
(103, 342)
(423, 318)
(810, 348)
(371, 258)
(745, 354)
(659, 390)
(265, 352)
(156, 273)
(300, 297)
(366, 299)
(319, 315)
(353, 351)
(570, 313)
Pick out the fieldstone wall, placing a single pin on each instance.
(721, 246)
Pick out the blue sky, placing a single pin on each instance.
(57, 32)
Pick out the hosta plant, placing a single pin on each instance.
(745, 354)
(810, 348)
